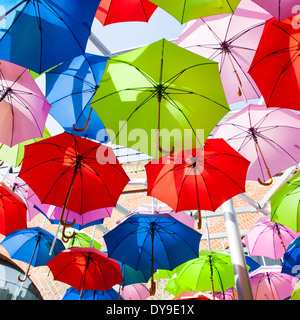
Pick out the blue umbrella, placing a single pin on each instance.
(251, 263)
(39, 34)
(291, 258)
(152, 241)
(31, 245)
(69, 88)
(110, 294)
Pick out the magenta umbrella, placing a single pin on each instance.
(280, 9)
(267, 137)
(268, 283)
(136, 291)
(231, 40)
(24, 108)
(269, 239)
(162, 208)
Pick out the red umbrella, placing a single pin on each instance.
(85, 269)
(113, 11)
(198, 179)
(73, 173)
(275, 67)
(13, 211)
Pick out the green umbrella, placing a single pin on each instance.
(81, 240)
(175, 288)
(14, 155)
(186, 10)
(212, 271)
(285, 204)
(160, 90)
(296, 292)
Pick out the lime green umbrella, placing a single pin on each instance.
(296, 292)
(186, 10)
(81, 240)
(285, 204)
(160, 91)
(175, 288)
(212, 271)
(14, 155)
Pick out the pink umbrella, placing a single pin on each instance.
(269, 239)
(268, 283)
(231, 40)
(267, 137)
(24, 108)
(229, 294)
(280, 9)
(162, 208)
(136, 291)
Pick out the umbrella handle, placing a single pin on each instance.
(267, 183)
(66, 238)
(25, 277)
(86, 124)
(152, 287)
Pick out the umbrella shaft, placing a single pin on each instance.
(11, 10)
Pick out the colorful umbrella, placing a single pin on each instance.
(152, 241)
(230, 40)
(211, 271)
(199, 179)
(192, 295)
(31, 245)
(81, 240)
(269, 239)
(69, 88)
(296, 292)
(136, 291)
(291, 259)
(268, 283)
(40, 34)
(267, 137)
(280, 9)
(73, 294)
(114, 11)
(24, 108)
(184, 10)
(285, 204)
(175, 288)
(12, 211)
(274, 67)
(160, 90)
(85, 269)
(67, 170)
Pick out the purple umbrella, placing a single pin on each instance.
(269, 239)
(162, 208)
(231, 40)
(136, 291)
(24, 108)
(267, 137)
(268, 283)
(280, 9)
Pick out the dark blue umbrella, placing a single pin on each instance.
(110, 294)
(291, 258)
(69, 88)
(31, 245)
(39, 34)
(152, 241)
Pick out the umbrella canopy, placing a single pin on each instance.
(69, 88)
(268, 283)
(192, 295)
(230, 40)
(85, 269)
(285, 204)
(31, 245)
(274, 67)
(67, 170)
(24, 108)
(186, 10)
(152, 241)
(160, 90)
(268, 239)
(137, 291)
(175, 288)
(211, 271)
(296, 292)
(291, 259)
(114, 11)
(280, 9)
(110, 294)
(81, 240)
(13, 211)
(40, 34)
(267, 137)
(199, 179)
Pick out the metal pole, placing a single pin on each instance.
(238, 260)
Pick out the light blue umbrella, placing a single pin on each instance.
(31, 245)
